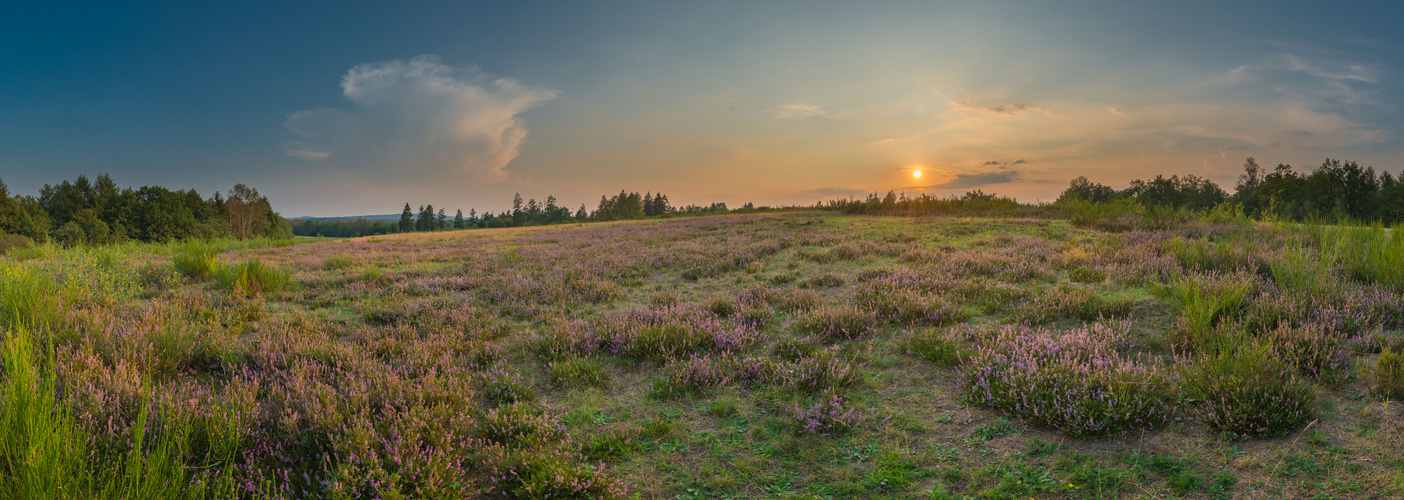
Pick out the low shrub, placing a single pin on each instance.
(614, 444)
(1315, 349)
(824, 281)
(578, 373)
(1248, 391)
(819, 373)
(722, 307)
(1071, 302)
(794, 349)
(827, 414)
(1077, 381)
(909, 307)
(502, 387)
(548, 472)
(841, 322)
(520, 424)
(1389, 375)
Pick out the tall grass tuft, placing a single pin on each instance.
(28, 297)
(1205, 301)
(44, 453)
(196, 259)
(252, 277)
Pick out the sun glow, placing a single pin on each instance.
(916, 173)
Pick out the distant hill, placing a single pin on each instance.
(344, 218)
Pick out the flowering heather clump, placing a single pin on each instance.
(1070, 302)
(824, 281)
(1249, 391)
(1076, 381)
(503, 387)
(696, 373)
(841, 322)
(827, 414)
(1315, 349)
(520, 424)
(909, 307)
(794, 349)
(819, 373)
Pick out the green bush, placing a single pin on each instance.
(14, 241)
(843, 322)
(1248, 391)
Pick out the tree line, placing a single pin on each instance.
(97, 212)
(622, 206)
(1337, 191)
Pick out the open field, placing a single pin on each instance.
(792, 355)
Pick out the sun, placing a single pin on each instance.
(916, 173)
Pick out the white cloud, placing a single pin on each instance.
(418, 116)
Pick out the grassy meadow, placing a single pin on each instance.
(782, 355)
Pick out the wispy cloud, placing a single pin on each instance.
(802, 110)
(999, 109)
(418, 117)
(1116, 110)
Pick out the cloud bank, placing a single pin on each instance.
(416, 118)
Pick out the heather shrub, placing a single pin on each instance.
(546, 472)
(614, 444)
(827, 414)
(998, 296)
(722, 307)
(578, 373)
(1077, 382)
(196, 259)
(1389, 375)
(1315, 349)
(660, 342)
(502, 387)
(252, 277)
(1248, 391)
(520, 424)
(909, 307)
(794, 349)
(823, 281)
(1071, 302)
(841, 322)
(936, 347)
(819, 373)
(696, 373)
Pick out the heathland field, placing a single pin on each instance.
(785, 355)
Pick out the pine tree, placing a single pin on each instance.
(442, 220)
(458, 222)
(406, 220)
(581, 214)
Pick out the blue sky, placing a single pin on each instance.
(349, 108)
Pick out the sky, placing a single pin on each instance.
(347, 108)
